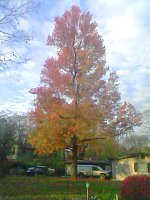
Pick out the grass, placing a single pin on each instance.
(40, 187)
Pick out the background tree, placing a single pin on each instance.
(7, 140)
(7, 136)
(76, 102)
(25, 154)
(10, 32)
(13, 130)
(23, 127)
(137, 143)
(104, 149)
(146, 122)
(13, 141)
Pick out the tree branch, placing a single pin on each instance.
(91, 139)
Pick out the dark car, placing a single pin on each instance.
(40, 170)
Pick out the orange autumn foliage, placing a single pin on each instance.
(75, 101)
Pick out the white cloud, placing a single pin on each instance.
(22, 107)
(126, 32)
(125, 27)
(145, 70)
(24, 24)
(122, 72)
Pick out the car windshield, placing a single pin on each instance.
(31, 168)
(99, 168)
(42, 167)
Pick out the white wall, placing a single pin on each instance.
(125, 167)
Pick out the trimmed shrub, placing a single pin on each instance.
(136, 188)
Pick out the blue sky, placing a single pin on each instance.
(125, 27)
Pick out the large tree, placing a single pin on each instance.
(78, 99)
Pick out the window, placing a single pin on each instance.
(142, 167)
(94, 168)
(148, 167)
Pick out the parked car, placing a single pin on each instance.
(92, 171)
(40, 170)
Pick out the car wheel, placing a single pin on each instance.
(102, 176)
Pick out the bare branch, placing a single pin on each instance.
(10, 33)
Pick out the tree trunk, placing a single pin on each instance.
(74, 157)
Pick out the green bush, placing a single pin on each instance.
(136, 188)
(4, 168)
(21, 165)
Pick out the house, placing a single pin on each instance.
(134, 164)
(13, 155)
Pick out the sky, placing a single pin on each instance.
(125, 27)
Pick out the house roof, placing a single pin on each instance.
(141, 155)
(27, 147)
(94, 162)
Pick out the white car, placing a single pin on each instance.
(93, 171)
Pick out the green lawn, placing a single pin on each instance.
(38, 188)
